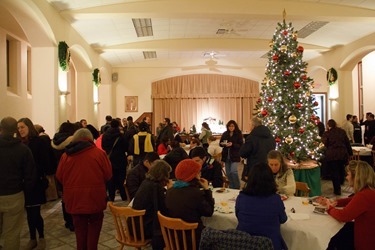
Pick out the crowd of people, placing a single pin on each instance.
(162, 173)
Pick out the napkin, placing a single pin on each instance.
(299, 216)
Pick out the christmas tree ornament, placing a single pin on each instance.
(271, 44)
(277, 140)
(289, 140)
(308, 94)
(259, 100)
(321, 145)
(287, 72)
(283, 48)
(292, 119)
(300, 49)
(269, 99)
(275, 57)
(297, 85)
(294, 54)
(295, 35)
(316, 103)
(285, 32)
(304, 77)
(271, 122)
(298, 105)
(301, 130)
(273, 83)
(292, 154)
(264, 112)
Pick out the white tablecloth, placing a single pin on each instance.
(307, 234)
(363, 151)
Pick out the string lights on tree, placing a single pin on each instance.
(286, 104)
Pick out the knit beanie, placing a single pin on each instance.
(187, 170)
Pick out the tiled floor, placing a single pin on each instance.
(58, 237)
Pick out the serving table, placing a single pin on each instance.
(304, 229)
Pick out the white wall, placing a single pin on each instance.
(368, 63)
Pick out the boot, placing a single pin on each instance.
(41, 244)
(31, 245)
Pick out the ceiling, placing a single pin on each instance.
(185, 31)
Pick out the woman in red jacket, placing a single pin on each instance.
(360, 207)
(83, 172)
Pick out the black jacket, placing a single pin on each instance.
(17, 169)
(117, 157)
(257, 145)
(211, 171)
(134, 179)
(174, 157)
(234, 151)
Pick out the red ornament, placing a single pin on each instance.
(300, 49)
(298, 105)
(259, 100)
(292, 154)
(285, 32)
(297, 85)
(313, 117)
(264, 112)
(269, 99)
(301, 130)
(287, 72)
(275, 57)
(316, 103)
(304, 77)
(277, 140)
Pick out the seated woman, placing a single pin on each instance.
(163, 147)
(151, 196)
(259, 210)
(211, 169)
(284, 176)
(360, 207)
(186, 200)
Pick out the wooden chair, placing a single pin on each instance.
(302, 189)
(355, 156)
(123, 236)
(173, 228)
(126, 192)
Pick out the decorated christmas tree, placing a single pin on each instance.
(286, 104)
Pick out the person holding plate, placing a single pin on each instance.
(259, 210)
(284, 176)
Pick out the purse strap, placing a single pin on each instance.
(114, 144)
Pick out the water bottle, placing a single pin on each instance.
(210, 186)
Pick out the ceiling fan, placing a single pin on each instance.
(211, 65)
(212, 55)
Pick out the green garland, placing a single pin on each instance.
(64, 56)
(332, 76)
(96, 77)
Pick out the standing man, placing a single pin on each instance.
(257, 145)
(348, 127)
(18, 174)
(83, 172)
(107, 124)
(167, 131)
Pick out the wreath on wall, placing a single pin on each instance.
(64, 56)
(332, 76)
(96, 77)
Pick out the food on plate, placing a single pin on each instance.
(221, 190)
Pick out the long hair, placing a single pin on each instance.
(236, 128)
(332, 123)
(30, 125)
(260, 181)
(276, 155)
(364, 176)
(205, 125)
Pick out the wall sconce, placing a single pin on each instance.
(96, 103)
(64, 93)
(334, 99)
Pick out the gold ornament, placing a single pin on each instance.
(294, 54)
(283, 48)
(271, 44)
(311, 153)
(321, 145)
(273, 83)
(264, 82)
(289, 140)
(292, 119)
(308, 94)
(295, 35)
(271, 122)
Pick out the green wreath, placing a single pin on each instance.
(332, 76)
(64, 56)
(96, 77)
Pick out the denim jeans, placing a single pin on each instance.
(231, 168)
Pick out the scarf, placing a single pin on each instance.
(148, 145)
(180, 184)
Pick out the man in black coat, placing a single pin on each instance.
(257, 145)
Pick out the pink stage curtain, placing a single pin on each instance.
(189, 99)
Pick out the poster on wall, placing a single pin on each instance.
(131, 103)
